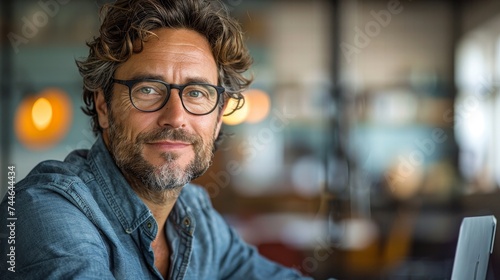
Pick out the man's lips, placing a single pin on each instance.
(169, 145)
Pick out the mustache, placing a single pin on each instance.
(170, 134)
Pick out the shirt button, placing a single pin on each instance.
(187, 222)
(149, 225)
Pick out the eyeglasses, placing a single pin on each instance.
(149, 95)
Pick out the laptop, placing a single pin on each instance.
(475, 244)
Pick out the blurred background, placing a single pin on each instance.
(369, 133)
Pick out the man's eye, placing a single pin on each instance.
(147, 90)
(195, 94)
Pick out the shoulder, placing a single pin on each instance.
(53, 214)
(232, 257)
(74, 166)
(48, 225)
(58, 186)
(54, 193)
(65, 178)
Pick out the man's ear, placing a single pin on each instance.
(101, 108)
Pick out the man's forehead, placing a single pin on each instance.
(171, 52)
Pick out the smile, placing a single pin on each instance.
(170, 145)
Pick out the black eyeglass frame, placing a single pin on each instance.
(130, 83)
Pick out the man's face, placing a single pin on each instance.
(165, 149)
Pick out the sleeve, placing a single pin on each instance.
(50, 239)
(239, 260)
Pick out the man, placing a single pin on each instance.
(156, 82)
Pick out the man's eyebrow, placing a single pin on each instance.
(197, 80)
(146, 77)
(189, 80)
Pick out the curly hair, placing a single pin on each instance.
(127, 24)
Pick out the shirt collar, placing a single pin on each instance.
(124, 202)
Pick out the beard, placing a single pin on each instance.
(147, 178)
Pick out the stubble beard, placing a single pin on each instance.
(168, 178)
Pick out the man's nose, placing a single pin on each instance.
(173, 113)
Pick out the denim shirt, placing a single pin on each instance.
(80, 219)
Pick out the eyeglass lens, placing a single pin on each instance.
(196, 98)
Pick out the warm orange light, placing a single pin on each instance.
(41, 113)
(43, 120)
(256, 108)
(259, 105)
(237, 116)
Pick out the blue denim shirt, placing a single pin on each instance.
(79, 219)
